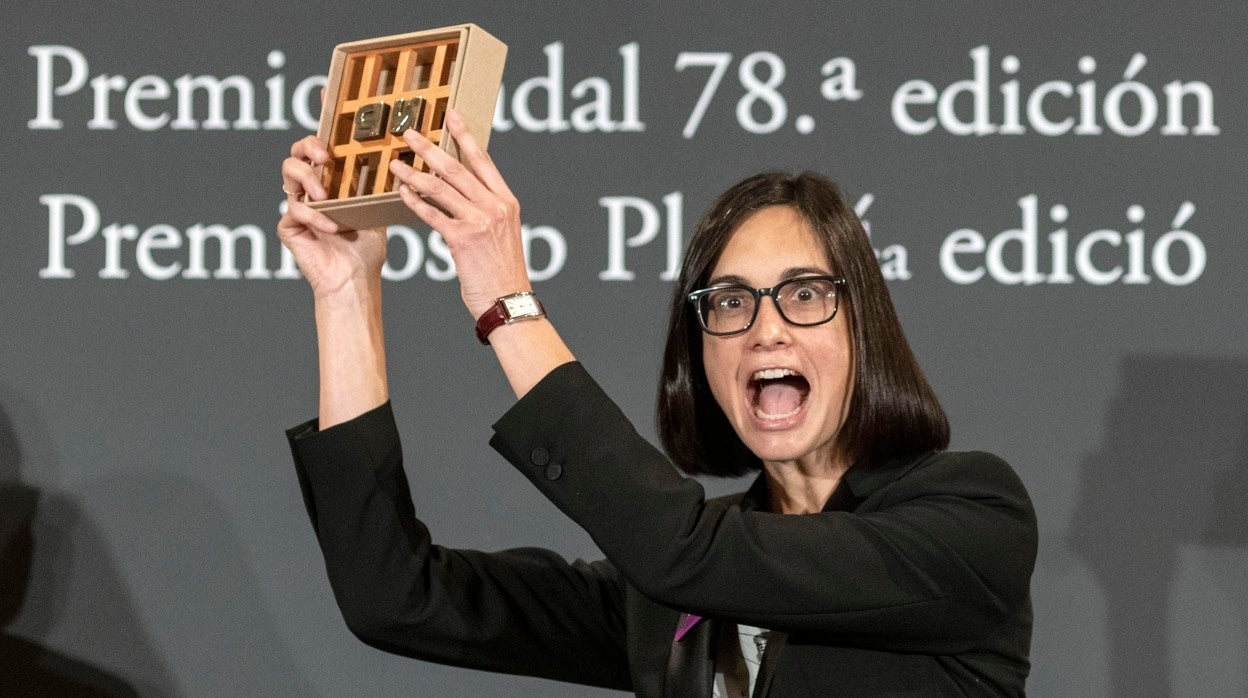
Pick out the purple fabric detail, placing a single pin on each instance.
(687, 621)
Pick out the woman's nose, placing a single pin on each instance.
(770, 327)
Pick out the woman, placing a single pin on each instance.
(864, 560)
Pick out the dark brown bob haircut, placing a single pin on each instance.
(893, 411)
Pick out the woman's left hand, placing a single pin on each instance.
(470, 204)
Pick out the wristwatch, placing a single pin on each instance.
(508, 309)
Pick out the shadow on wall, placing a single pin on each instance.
(134, 582)
(1172, 476)
(38, 535)
(194, 575)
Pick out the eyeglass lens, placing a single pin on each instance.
(801, 302)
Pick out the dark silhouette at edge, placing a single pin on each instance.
(28, 668)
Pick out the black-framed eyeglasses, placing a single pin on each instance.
(732, 308)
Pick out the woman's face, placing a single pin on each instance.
(785, 389)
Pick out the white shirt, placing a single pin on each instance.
(739, 653)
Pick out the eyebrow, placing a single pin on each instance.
(790, 273)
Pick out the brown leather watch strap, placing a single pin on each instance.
(499, 315)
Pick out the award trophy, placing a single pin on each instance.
(379, 88)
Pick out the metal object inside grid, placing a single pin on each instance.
(370, 121)
(406, 114)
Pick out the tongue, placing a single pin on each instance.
(779, 397)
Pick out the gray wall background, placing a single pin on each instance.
(152, 535)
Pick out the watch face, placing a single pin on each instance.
(521, 306)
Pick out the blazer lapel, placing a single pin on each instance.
(841, 499)
(691, 665)
(767, 668)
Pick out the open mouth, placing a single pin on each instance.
(777, 392)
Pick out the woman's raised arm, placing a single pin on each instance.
(471, 205)
(344, 270)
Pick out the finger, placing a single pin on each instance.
(299, 214)
(296, 180)
(310, 149)
(433, 189)
(299, 177)
(478, 160)
(433, 216)
(446, 167)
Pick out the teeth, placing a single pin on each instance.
(767, 415)
(773, 373)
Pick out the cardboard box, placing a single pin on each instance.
(378, 87)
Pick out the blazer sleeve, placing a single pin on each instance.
(941, 559)
(523, 611)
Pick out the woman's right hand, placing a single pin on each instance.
(331, 258)
(344, 268)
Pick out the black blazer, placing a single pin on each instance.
(913, 581)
